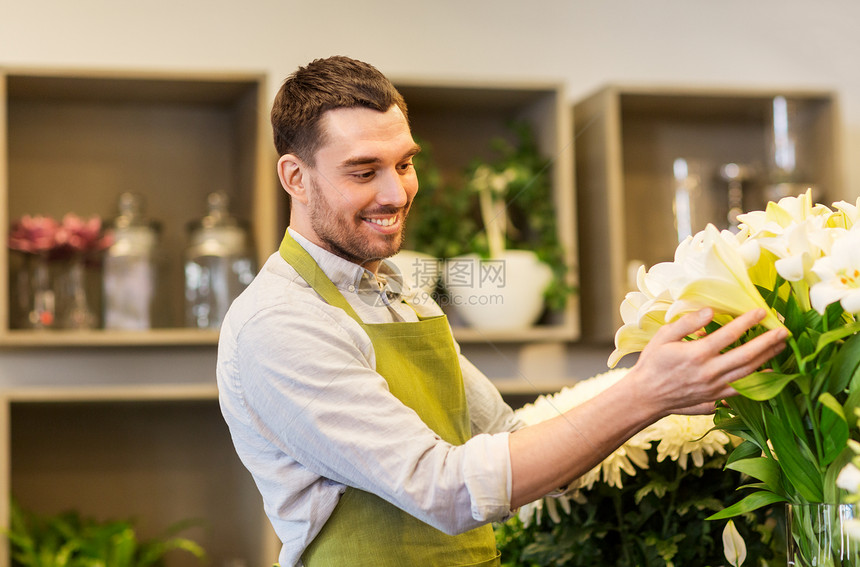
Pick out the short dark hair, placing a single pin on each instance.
(322, 85)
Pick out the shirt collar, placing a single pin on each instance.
(387, 283)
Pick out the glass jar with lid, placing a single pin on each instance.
(219, 264)
(130, 278)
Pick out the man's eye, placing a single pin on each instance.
(405, 166)
(365, 174)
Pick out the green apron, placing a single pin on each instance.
(420, 364)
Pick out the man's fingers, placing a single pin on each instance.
(748, 357)
(734, 329)
(686, 325)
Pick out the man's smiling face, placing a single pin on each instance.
(362, 184)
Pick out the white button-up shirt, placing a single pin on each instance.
(309, 415)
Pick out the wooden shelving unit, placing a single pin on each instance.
(156, 454)
(74, 141)
(152, 448)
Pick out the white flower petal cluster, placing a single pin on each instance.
(688, 436)
(849, 480)
(839, 275)
(679, 438)
(734, 547)
(814, 247)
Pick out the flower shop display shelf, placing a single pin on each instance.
(655, 163)
(72, 141)
(460, 124)
(157, 455)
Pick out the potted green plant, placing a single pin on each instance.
(496, 234)
(69, 539)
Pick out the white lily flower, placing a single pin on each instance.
(782, 214)
(847, 216)
(794, 252)
(801, 207)
(734, 546)
(849, 478)
(717, 277)
(839, 275)
(644, 312)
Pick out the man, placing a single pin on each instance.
(371, 439)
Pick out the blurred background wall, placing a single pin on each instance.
(584, 43)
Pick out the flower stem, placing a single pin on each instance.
(622, 530)
(816, 429)
(669, 511)
(801, 365)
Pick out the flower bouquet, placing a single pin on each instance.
(50, 282)
(645, 505)
(800, 262)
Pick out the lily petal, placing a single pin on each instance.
(734, 546)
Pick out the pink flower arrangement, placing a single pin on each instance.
(44, 235)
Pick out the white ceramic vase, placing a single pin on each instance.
(418, 270)
(498, 294)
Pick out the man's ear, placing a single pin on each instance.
(292, 172)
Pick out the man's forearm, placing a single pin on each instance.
(551, 454)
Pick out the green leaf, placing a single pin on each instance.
(803, 475)
(834, 428)
(751, 413)
(795, 320)
(845, 364)
(790, 413)
(731, 424)
(833, 314)
(831, 491)
(761, 468)
(752, 502)
(745, 450)
(823, 381)
(762, 386)
(830, 337)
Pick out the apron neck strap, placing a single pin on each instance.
(309, 270)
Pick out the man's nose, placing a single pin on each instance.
(392, 190)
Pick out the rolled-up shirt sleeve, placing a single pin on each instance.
(320, 405)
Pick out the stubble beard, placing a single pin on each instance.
(340, 234)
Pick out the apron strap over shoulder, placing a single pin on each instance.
(304, 264)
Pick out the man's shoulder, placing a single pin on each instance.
(277, 286)
(277, 299)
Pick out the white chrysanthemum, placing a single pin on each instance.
(550, 406)
(687, 436)
(634, 452)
